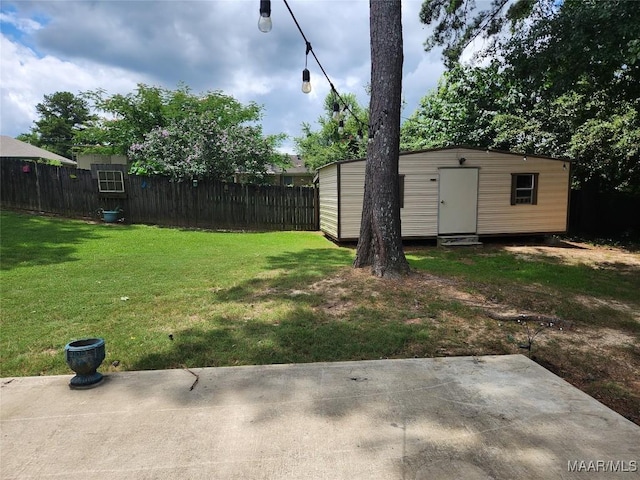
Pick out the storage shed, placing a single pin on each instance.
(455, 191)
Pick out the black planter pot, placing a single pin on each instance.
(84, 357)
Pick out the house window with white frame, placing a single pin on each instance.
(110, 181)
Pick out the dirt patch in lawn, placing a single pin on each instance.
(574, 253)
(467, 319)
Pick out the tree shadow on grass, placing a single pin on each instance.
(312, 261)
(301, 336)
(287, 272)
(29, 240)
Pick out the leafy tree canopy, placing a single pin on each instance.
(459, 111)
(181, 134)
(128, 118)
(549, 45)
(327, 145)
(60, 115)
(587, 46)
(201, 146)
(457, 23)
(564, 80)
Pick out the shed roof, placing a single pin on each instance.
(458, 147)
(12, 148)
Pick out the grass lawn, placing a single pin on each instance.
(170, 298)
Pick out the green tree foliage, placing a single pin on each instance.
(612, 146)
(60, 116)
(564, 81)
(587, 45)
(181, 134)
(128, 118)
(327, 145)
(459, 111)
(457, 23)
(32, 137)
(200, 146)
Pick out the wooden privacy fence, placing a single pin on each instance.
(610, 214)
(156, 200)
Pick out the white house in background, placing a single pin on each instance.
(10, 148)
(295, 175)
(456, 191)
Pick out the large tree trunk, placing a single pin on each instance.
(380, 243)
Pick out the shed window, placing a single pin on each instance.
(110, 181)
(287, 180)
(524, 189)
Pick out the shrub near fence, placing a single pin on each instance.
(156, 200)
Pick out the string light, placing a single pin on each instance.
(306, 75)
(336, 111)
(306, 81)
(264, 23)
(265, 6)
(341, 126)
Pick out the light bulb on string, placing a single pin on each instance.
(264, 23)
(306, 76)
(306, 81)
(341, 126)
(336, 111)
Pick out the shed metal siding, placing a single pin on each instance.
(328, 194)
(496, 215)
(351, 198)
(419, 216)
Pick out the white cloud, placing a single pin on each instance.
(215, 45)
(26, 25)
(418, 82)
(26, 78)
(245, 85)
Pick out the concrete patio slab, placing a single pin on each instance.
(493, 417)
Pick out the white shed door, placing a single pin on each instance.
(458, 208)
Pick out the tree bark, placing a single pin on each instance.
(380, 242)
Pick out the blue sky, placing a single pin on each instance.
(69, 45)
